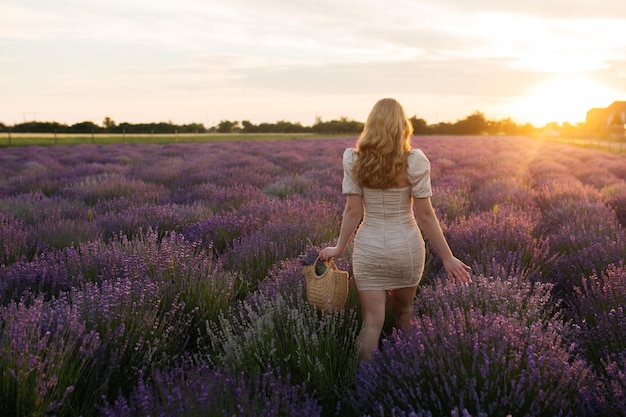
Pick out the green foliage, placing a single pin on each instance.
(288, 186)
(313, 347)
(64, 233)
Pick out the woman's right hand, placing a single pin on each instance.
(329, 253)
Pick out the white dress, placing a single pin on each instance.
(389, 250)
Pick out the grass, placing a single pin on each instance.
(49, 139)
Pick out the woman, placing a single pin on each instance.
(385, 181)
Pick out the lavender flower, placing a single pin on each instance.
(13, 239)
(138, 332)
(502, 237)
(486, 364)
(47, 358)
(588, 240)
(201, 391)
(507, 296)
(597, 309)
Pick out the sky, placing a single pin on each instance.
(204, 61)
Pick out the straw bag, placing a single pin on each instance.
(329, 290)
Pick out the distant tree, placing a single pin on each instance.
(266, 128)
(552, 126)
(226, 126)
(441, 128)
(504, 127)
(40, 127)
(288, 127)
(192, 128)
(526, 129)
(162, 127)
(85, 127)
(567, 129)
(249, 127)
(108, 123)
(341, 126)
(123, 128)
(420, 127)
(474, 124)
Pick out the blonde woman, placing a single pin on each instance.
(388, 187)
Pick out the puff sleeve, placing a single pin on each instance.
(349, 184)
(418, 173)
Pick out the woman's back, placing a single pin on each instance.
(394, 205)
(388, 247)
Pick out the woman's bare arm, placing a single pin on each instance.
(352, 214)
(429, 224)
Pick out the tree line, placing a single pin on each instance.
(474, 124)
(108, 126)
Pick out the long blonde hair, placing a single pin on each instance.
(383, 145)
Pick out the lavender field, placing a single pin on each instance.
(165, 280)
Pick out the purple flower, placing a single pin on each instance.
(203, 391)
(485, 363)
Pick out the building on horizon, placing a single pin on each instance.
(608, 122)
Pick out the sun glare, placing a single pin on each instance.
(562, 98)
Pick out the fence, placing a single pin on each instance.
(615, 145)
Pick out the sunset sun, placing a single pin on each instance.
(562, 98)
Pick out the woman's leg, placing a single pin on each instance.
(373, 312)
(402, 305)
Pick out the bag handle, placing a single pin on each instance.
(329, 265)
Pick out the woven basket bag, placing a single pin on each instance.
(328, 291)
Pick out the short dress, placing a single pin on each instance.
(389, 250)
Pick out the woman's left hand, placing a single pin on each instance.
(458, 271)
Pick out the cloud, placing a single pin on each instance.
(551, 9)
(485, 51)
(451, 77)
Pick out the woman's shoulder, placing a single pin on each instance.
(349, 155)
(349, 152)
(417, 153)
(417, 161)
